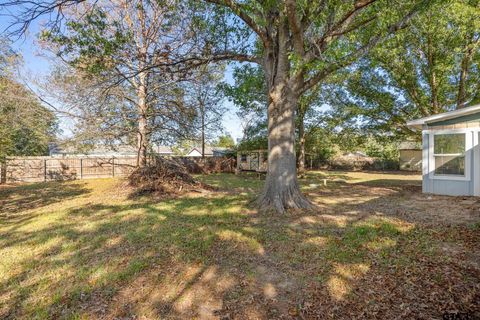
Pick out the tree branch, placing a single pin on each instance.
(33, 10)
(240, 11)
(343, 25)
(296, 26)
(362, 51)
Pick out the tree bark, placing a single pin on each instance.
(281, 190)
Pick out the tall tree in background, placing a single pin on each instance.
(429, 68)
(26, 126)
(205, 97)
(225, 141)
(124, 44)
(103, 115)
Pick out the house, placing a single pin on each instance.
(451, 152)
(106, 151)
(97, 151)
(252, 160)
(209, 152)
(410, 156)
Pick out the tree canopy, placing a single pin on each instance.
(431, 67)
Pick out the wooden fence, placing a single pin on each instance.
(34, 169)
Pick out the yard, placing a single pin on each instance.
(375, 248)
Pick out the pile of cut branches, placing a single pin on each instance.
(166, 177)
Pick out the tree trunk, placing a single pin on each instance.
(462, 95)
(3, 170)
(301, 136)
(142, 135)
(281, 190)
(142, 141)
(433, 77)
(203, 132)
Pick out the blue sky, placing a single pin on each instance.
(36, 64)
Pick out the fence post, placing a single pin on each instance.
(113, 167)
(45, 170)
(81, 168)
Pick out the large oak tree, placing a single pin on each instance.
(298, 44)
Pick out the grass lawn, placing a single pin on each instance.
(375, 248)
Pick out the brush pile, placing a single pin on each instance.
(166, 176)
(208, 165)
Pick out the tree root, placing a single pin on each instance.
(279, 201)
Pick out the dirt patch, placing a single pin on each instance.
(405, 202)
(437, 210)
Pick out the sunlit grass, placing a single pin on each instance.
(86, 249)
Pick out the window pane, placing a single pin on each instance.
(454, 165)
(449, 143)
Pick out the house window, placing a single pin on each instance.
(243, 158)
(449, 154)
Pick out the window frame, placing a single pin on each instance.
(468, 149)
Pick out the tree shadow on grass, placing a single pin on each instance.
(37, 195)
(214, 257)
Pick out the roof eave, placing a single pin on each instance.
(419, 123)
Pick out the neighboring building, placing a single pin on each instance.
(410, 156)
(105, 151)
(451, 152)
(163, 150)
(195, 152)
(209, 152)
(252, 160)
